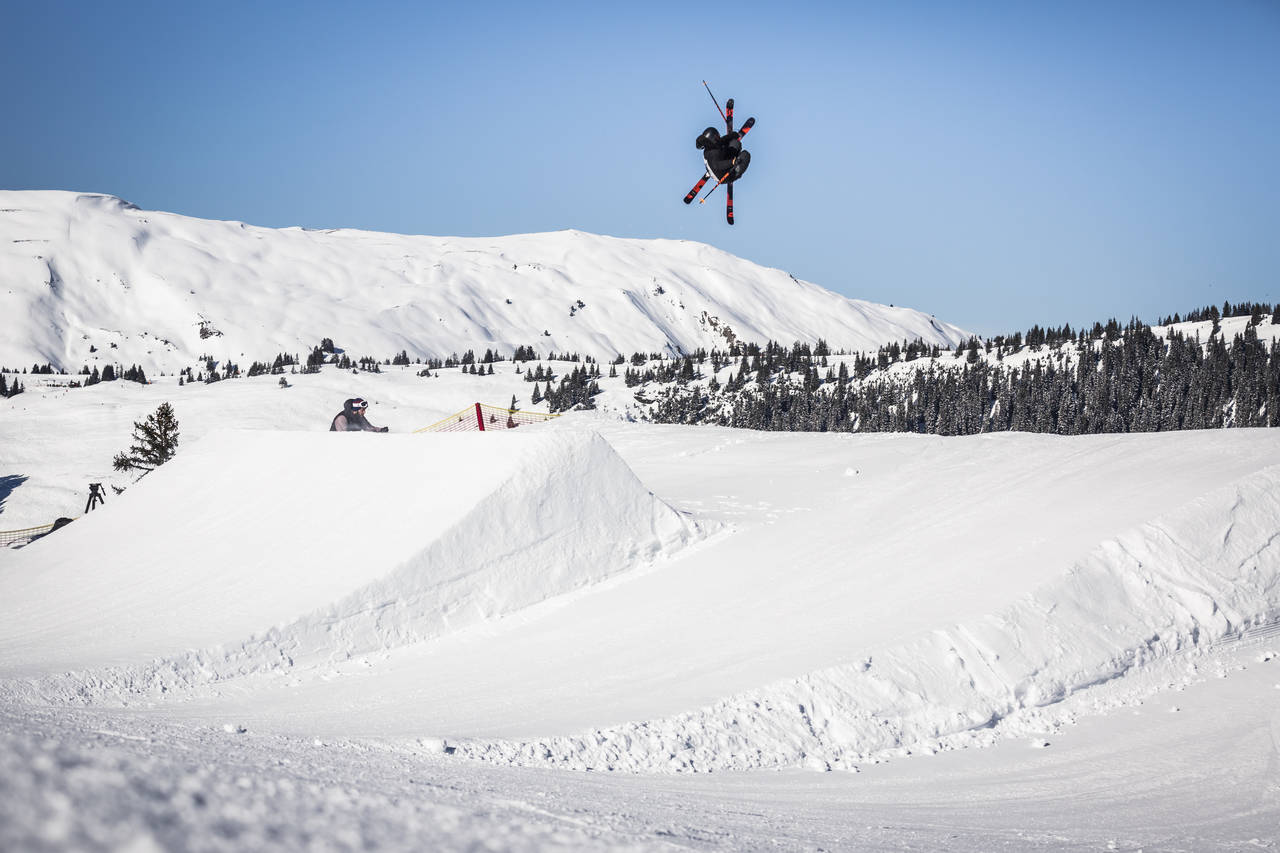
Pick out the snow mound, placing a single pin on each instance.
(1206, 573)
(254, 551)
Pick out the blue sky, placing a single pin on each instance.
(996, 164)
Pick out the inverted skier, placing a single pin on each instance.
(723, 155)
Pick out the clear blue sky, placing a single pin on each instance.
(995, 164)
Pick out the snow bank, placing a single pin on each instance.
(284, 549)
(1208, 571)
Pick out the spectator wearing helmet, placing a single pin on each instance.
(352, 419)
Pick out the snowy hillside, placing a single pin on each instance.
(283, 625)
(1181, 376)
(902, 590)
(90, 280)
(285, 633)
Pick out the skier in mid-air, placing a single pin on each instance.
(723, 156)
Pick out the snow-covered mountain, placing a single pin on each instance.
(88, 279)
(286, 633)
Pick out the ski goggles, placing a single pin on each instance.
(359, 404)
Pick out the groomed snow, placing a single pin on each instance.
(782, 601)
(266, 559)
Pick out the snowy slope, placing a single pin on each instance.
(90, 271)
(269, 557)
(835, 549)
(1193, 770)
(861, 598)
(1203, 574)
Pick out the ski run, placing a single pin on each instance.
(597, 633)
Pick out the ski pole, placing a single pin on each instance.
(703, 200)
(713, 100)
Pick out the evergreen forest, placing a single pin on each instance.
(1111, 378)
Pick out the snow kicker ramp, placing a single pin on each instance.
(1203, 576)
(252, 551)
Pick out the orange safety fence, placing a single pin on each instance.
(13, 537)
(482, 417)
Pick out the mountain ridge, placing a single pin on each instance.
(88, 279)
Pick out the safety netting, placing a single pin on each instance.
(13, 537)
(482, 417)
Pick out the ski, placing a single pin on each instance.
(728, 116)
(697, 188)
(728, 210)
(746, 127)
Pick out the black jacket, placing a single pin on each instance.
(349, 420)
(723, 154)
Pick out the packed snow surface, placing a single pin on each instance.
(427, 630)
(112, 284)
(391, 540)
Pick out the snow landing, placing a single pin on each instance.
(1205, 574)
(254, 551)
(869, 595)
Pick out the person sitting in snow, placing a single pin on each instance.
(352, 419)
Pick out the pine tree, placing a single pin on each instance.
(155, 440)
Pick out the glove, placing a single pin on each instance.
(384, 429)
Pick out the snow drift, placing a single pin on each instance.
(256, 550)
(1208, 572)
(93, 280)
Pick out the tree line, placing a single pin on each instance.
(1126, 379)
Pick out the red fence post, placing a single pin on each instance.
(479, 418)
